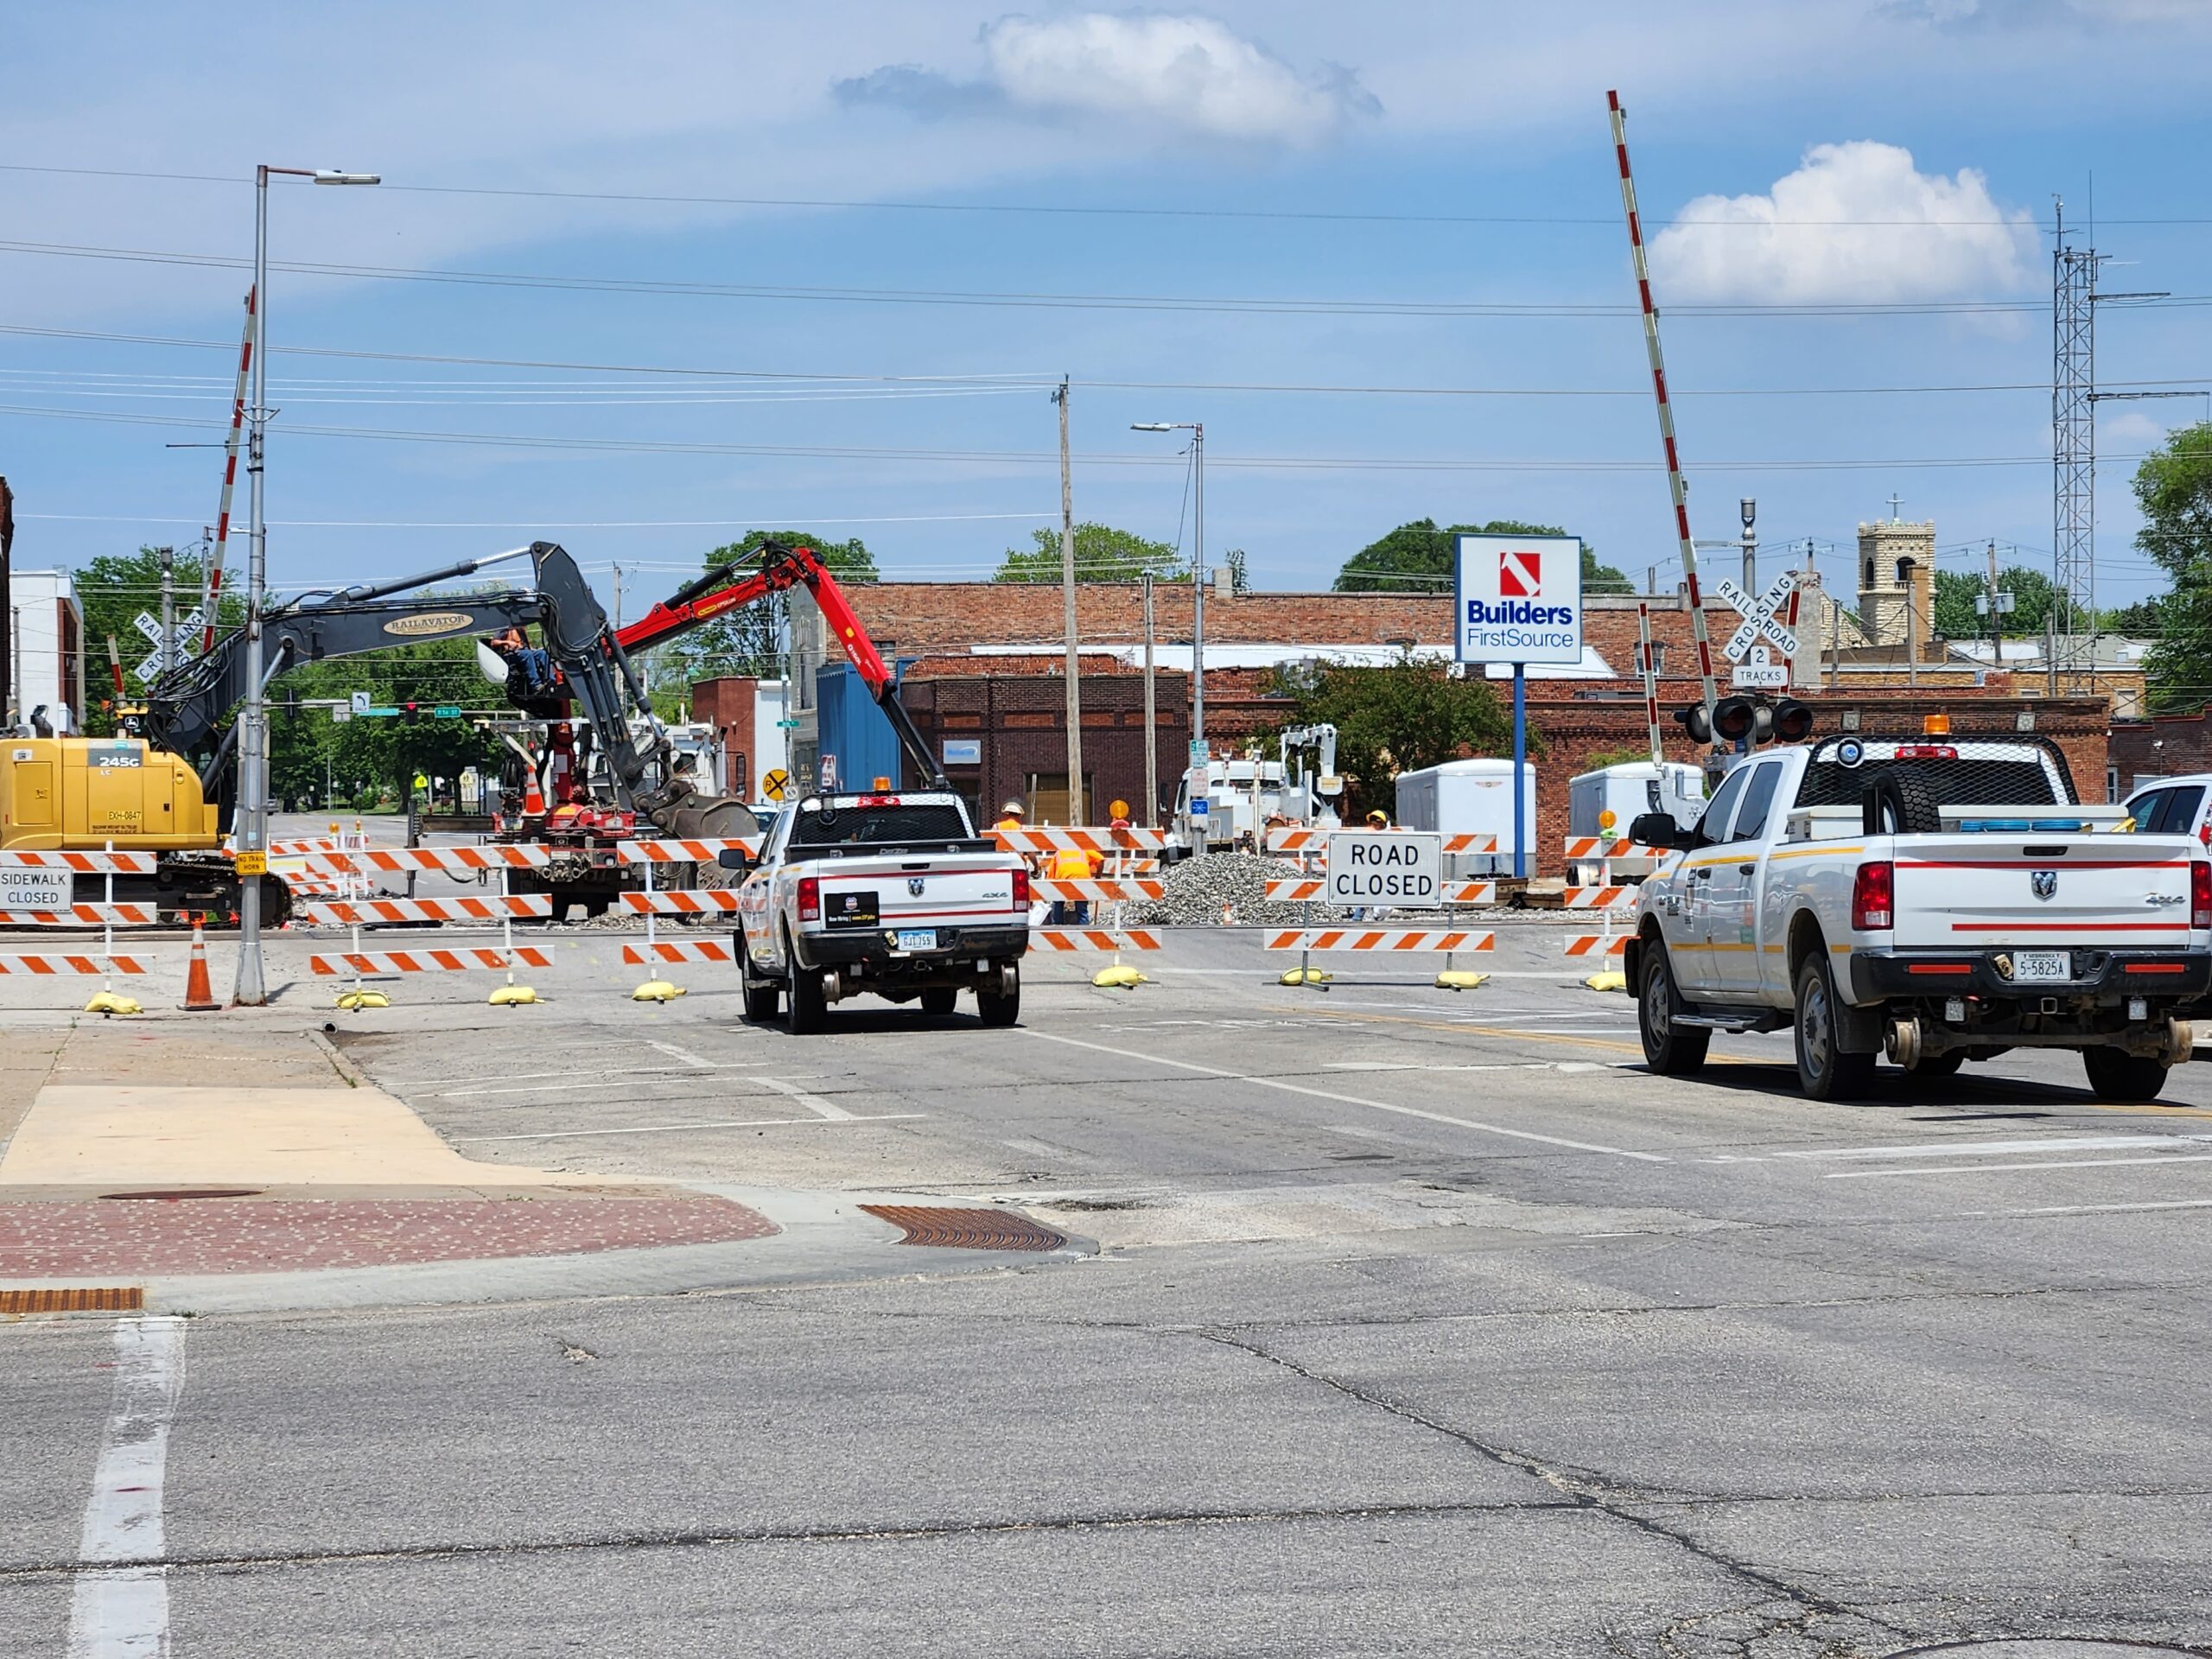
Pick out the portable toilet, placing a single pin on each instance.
(1471, 797)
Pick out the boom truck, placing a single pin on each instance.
(141, 793)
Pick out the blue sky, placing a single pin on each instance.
(1395, 163)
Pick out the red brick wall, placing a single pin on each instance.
(2164, 745)
(727, 704)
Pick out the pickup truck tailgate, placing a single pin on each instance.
(939, 890)
(1956, 890)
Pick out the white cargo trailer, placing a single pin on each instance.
(1631, 790)
(1471, 797)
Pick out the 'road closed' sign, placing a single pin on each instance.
(1384, 866)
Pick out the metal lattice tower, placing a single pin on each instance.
(2074, 438)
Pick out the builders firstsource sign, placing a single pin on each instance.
(1519, 599)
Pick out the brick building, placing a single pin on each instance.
(2164, 745)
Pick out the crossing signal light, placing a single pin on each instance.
(1735, 719)
(1691, 719)
(1751, 721)
(1793, 720)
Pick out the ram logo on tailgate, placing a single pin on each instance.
(2044, 883)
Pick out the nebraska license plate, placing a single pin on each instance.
(2042, 967)
(916, 938)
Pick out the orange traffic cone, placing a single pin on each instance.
(533, 801)
(198, 994)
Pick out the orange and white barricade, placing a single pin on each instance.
(1093, 938)
(690, 901)
(398, 860)
(1313, 890)
(1314, 842)
(429, 960)
(656, 951)
(106, 915)
(1619, 896)
(1106, 842)
(685, 851)
(1602, 859)
(682, 901)
(1597, 944)
(370, 912)
(1452, 941)
(1096, 890)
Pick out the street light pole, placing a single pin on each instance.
(251, 822)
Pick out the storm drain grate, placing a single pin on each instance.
(968, 1230)
(97, 1299)
(172, 1194)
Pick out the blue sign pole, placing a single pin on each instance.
(1520, 774)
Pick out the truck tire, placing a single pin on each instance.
(939, 1000)
(1940, 1065)
(804, 1007)
(1000, 1009)
(763, 997)
(1897, 802)
(1824, 1071)
(2115, 1074)
(1672, 1050)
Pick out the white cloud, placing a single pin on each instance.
(1855, 222)
(1187, 74)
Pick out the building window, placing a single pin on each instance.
(1870, 573)
(1658, 659)
(1903, 566)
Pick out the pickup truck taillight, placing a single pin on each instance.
(809, 899)
(2200, 895)
(1873, 895)
(1022, 888)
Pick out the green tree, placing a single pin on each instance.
(1102, 554)
(308, 748)
(751, 639)
(114, 590)
(1418, 558)
(1402, 717)
(1956, 592)
(2173, 487)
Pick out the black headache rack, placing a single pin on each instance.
(826, 849)
(1970, 769)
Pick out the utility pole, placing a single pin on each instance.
(251, 818)
(11, 673)
(1075, 813)
(1198, 584)
(1996, 649)
(1911, 567)
(1151, 720)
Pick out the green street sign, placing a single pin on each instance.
(378, 714)
(447, 711)
(788, 725)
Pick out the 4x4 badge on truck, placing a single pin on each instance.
(2044, 883)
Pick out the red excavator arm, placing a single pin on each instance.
(783, 568)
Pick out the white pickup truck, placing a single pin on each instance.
(892, 894)
(1936, 900)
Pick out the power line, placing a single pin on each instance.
(1081, 211)
(1022, 381)
(1015, 300)
(1372, 463)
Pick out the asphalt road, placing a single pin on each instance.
(1421, 1323)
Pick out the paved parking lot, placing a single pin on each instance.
(1393, 1320)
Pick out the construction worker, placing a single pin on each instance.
(1009, 817)
(1378, 819)
(1072, 864)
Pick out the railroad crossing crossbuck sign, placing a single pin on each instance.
(164, 658)
(1760, 617)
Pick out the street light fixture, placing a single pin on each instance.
(251, 822)
(1198, 431)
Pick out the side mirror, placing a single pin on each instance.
(1656, 830)
(733, 858)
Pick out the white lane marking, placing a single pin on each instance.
(2089, 1209)
(1984, 1169)
(122, 1612)
(1978, 1149)
(685, 1055)
(814, 1104)
(672, 1128)
(1037, 1149)
(1353, 1100)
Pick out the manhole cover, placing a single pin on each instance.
(98, 1299)
(967, 1229)
(192, 1192)
(2043, 1647)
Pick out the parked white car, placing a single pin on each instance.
(1938, 901)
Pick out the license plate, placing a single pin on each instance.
(2042, 967)
(916, 938)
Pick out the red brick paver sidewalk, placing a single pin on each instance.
(250, 1234)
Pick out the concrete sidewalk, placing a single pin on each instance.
(295, 1183)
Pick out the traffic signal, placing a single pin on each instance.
(409, 713)
(1748, 721)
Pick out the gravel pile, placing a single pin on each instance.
(1197, 888)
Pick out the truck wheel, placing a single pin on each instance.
(1000, 1009)
(1940, 1065)
(805, 1007)
(2115, 1074)
(1673, 1050)
(939, 1001)
(1824, 1071)
(763, 997)
(1900, 802)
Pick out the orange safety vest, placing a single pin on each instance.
(1008, 824)
(1071, 864)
